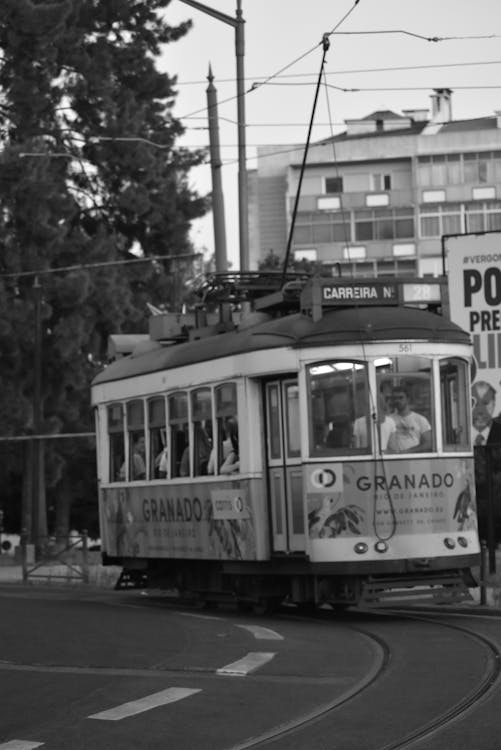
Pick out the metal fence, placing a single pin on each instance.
(55, 558)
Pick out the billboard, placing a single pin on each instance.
(474, 280)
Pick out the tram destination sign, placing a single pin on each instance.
(359, 292)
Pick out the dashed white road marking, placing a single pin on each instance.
(261, 633)
(249, 663)
(170, 695)
(20, 745)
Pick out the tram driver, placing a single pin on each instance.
(412, 430)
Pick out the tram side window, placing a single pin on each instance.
(116, 440)
(292, 414)
(225, 456)
(339, 406)
(454, 404)
(179, 435)
(201, 416)
(410, 402)
(158, 453)
(136, 469)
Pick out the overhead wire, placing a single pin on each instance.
(374, 405)
(350, 71)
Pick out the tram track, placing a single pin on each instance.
(472, 699)
(491, 676)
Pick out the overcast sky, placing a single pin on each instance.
(287, 34)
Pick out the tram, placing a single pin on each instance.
(315, 449)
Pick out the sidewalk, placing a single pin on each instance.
(105, 577)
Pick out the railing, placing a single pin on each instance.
(55, 558)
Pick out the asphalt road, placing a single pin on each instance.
(94, 669)
(108, 670)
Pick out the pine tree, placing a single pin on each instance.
(81, 183)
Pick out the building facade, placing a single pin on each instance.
(379, 197)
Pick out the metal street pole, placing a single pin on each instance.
(238, 25)
(39, 516)
(217, 188)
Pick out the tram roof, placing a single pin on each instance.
(341, 326)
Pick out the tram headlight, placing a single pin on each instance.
(449, 542)
(462, 541)
(361, 548)
(381, 546)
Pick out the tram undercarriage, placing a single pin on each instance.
(264, 586)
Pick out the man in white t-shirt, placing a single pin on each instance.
(412, 430)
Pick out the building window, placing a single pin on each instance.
(380, 182)
(321, 228)
(333, 184)
(483, 217)
(440, 169)
(441, 218)
(384, 224)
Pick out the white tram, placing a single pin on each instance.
(336, 493)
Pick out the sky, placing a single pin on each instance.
(376, 48)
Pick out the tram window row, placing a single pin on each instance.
(180, 434)
(388, 405)
(403, 406)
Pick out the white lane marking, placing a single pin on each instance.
(261, 633)
(249, 663)
(170, 695)
(199, 617)
(20, 745)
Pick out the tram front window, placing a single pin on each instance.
(406, 395)
(339, 408)
(455, 413)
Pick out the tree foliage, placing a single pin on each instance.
(89, 173)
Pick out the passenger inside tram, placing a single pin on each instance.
(137, 460)
(412, 430)
(231, 463)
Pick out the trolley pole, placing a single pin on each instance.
(238, 24)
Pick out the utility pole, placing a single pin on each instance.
(238, 24)
(39, 515)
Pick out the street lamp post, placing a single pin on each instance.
(238, 25)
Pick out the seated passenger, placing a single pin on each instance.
(231, 463)
(137, 462)
(162, 464)
(339, 433)
(412, 430)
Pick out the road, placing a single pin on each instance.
(82, 668)
(109, 670)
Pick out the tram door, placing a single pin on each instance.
(285, 479)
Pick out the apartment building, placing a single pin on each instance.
(379, 197)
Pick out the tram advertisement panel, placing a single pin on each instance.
(200, 522)
(398, 497)
(474, 273)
